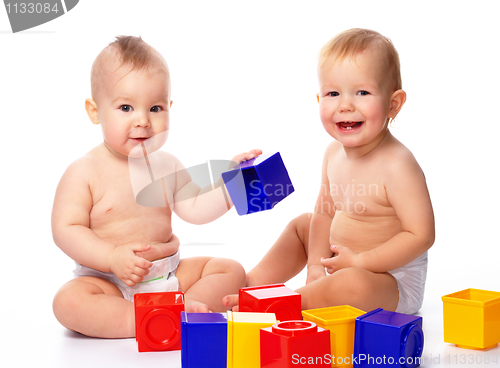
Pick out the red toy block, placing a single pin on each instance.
(292, 343)
(158, 320)
(277, 299)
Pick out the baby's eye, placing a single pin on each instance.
(332, 94)
(126, 108)
(363, 93)
(155, 109)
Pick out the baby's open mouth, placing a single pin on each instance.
(349, 125)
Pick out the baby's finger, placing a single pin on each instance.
(140, 247)
(138, 279)
(336, 249)
(141, 272)
(329, 264)
(142, 263)
(255, 152)
(245, 156)
(129, 282)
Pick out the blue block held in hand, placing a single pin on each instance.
(258, 184)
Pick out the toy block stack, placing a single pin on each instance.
(340, 336)
(286, 344)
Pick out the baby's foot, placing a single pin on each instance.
(231, 302)
(193, 306)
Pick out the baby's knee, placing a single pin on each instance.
(64, 303)
(354, 281)
(300, 225)
(229, 266)
(303, 220)
(236, 269)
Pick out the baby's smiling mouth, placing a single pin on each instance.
(349, 125)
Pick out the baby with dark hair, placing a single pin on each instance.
(120, 247)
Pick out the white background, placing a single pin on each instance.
(243, 77)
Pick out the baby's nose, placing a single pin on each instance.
(142, 120)
(346, 108)
(346, 105)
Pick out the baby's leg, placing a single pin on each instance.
(287, 257)
(94, 307)
(205, 281)
(353, 286)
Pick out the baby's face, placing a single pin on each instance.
(133, 107)
(354, 99)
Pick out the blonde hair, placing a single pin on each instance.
(351, 42)
(126, 50)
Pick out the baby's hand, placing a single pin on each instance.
(127, 266)
(315, 272)
(345, 258)
(246, 156)
(160, 250)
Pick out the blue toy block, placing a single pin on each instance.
(388, 339)
(258, 184)
(203, 340)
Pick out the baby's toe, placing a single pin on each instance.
(192, 306)
(202, 308)
(230, 301)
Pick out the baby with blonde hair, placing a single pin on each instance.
(373, 220)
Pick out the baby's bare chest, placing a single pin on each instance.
(358, 190)
(364, 217)
(116, 216)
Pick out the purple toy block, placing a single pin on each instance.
(258, 184)
(388, 339)
(203, 340)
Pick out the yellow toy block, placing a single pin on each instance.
(472, 318)
(243, 338)
(340, 321)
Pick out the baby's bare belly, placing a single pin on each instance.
(132, 230)
(361, 233)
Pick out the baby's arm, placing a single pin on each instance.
(72, 233)
(407, 192)
(202, 205)
(319, 234)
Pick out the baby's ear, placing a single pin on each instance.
(398, 99)
(91, 108)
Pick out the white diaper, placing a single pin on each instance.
(411, 284)
(161, 277)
